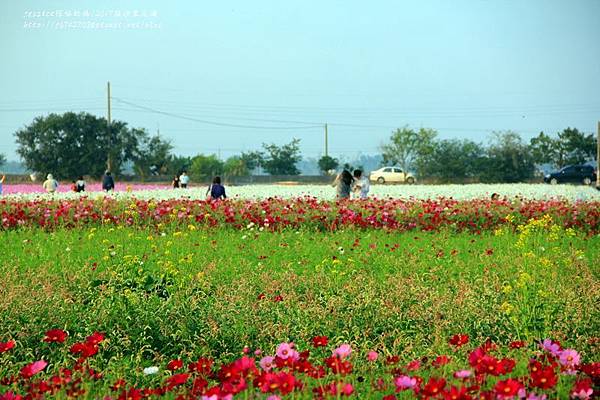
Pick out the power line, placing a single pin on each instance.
(174, 115)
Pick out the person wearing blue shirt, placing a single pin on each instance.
(216, 190)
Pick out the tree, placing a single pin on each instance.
(152, 156)
(508, 159)
(205, 167)
(575, 147)
(455, 160)
(235, 166)
(410, 149)
(327, 163)
(281, 160)
(71, 144)
(177, 164)
(2, 159)
(252, 159)
(544, 149)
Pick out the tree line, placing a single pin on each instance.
(506, 158)
(72, 144)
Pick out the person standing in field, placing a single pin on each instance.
(2, 182)
(108, 183)
(80, 184)
(50, 184)
(184, 179)
(343, 184)
(175, 182)
(216, 190)
(361, 185)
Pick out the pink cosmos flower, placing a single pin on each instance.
(343, 351)
(405, 382)
(372, 356)
(347, 389)
(463, 374)
(266, 363)
(522, 394)
(284, 350)
(31, 369)
(274, 397)
(551, 347)
(569, 358)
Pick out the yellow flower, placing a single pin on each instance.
(506, 307)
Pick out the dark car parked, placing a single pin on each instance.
(572, 174)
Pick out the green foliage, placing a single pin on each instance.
(281, 160)
(568, 147)
(205, 167)
(152, 156)
(177, 164)
(166, 294)
(70, 145)
(507, 159)
(2, 159)
(236, 166)
(327, 163)
(455, 160)
(411, 150)
(252, 160)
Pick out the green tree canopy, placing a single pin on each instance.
(235, 166)
(281, 160)
(507, 159)
(152, 156)
(70, 144)
(2, 159)
(327, 163)
(410, 149)
(455, 160)
(205, 167)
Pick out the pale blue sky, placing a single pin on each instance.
(462, 67)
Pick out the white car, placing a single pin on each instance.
(391, 175)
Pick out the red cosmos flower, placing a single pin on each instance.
(592, 370)
(55, 336)
(440, 361)
(459, 340)
(31, 369)
(517, 344)
(174, 365)
(6, 346)
(278, 298)
(544, 378)
(202, 366)
(84, 349)
(508, 388)
(434, 387)
(10, 396)
(320, 341)
(118, 385)
(392, 360)
(389, 397)
(338, 366)
(176, 380)
(95, 338)
(131, 394)
(582, 389)
(456, 394)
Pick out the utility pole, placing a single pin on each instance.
(598, 159)
(109, 160)
(326, 144)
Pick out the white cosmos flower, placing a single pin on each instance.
(150, 370)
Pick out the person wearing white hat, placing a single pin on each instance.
(50, 184)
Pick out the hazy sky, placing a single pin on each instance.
(281, 69)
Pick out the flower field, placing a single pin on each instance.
(133, 297)
(323, 192)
